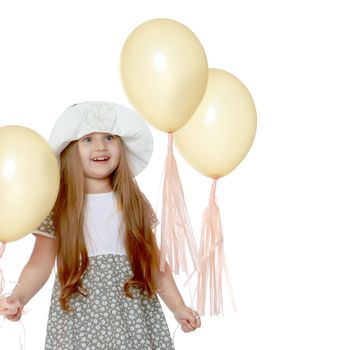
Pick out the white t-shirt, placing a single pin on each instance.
(103, 226)
(104, 231)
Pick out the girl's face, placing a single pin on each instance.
(99, 154)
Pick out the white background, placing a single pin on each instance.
(285, 208)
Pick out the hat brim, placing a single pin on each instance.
(88, 117)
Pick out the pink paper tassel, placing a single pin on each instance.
(176, 231)
(213, 262)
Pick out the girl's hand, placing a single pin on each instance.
(11, 307)
(188, 318)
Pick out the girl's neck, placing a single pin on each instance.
(93, 186)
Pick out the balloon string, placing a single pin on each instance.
(174, 219)
(170, 143)
(195, 313)
(213, 190)
(2, 248)
(2, 280)
(2, 287)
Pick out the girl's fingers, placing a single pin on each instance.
(10, 313)
(188, 318)
(15, 317)
(9, 306)
(186, 326)
(12, 306)
(2, 301)
(195, 322)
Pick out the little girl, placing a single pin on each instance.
(101, 231)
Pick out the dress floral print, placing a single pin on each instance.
(106, 318)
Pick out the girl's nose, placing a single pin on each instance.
(100, 145)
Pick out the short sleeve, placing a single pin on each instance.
(46, 228)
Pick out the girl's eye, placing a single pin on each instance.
(89, 138)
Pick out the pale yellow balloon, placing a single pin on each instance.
(29, 181)
(222, 130)
(164, 71)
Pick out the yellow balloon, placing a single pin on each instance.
(164, 71)
(222, 130)
(29, 181)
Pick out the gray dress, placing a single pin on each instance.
(106, 318)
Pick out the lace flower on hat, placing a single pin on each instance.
(100, 116)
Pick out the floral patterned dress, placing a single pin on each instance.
(106, 318)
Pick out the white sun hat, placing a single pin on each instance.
(87, 117)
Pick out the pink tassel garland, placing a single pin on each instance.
(213, 262)
(176, 231)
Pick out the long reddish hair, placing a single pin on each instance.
(68, 217)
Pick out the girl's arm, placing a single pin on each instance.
(33, 276)
(171, 296)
